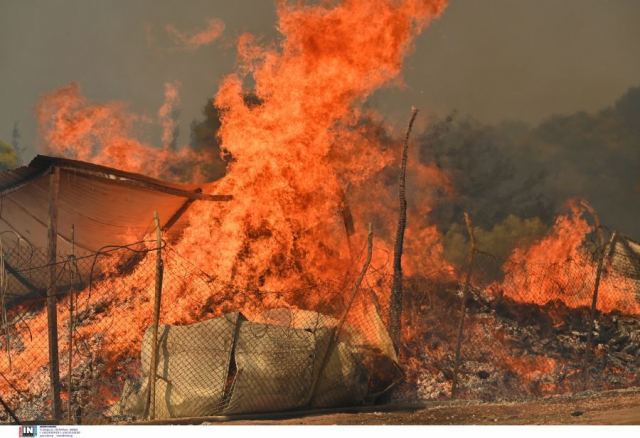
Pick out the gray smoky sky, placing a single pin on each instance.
(492, 59)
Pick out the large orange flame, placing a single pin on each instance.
(306, 156)
(305, 153)
(558, 267)
(302, 150)
(74, 127)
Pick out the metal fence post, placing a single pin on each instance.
(463, 304)
(593, 314)
(52, 317)
(70, 324)
(335, 333)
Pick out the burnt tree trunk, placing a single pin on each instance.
(395, 311)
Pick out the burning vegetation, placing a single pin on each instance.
(309, 166)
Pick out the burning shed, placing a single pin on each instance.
(105, 207)
(76, 237)
(258, 304)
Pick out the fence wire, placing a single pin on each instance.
(526, 332)
(222, 349)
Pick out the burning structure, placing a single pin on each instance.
(106, 207)
(283, 284)
(282, 358)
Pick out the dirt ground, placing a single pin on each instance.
(611, 407)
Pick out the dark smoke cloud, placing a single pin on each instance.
(528, 172)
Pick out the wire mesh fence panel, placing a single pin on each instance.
(89, 341)
(24, 378)
(527, 331)
(109, 324)
(223, 349)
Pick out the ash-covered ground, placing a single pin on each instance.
(512, 350)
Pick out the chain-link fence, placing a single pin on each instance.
(220, 349)
(529, 328)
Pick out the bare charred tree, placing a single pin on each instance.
(395, 315)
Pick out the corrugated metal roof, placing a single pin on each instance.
(14, 178)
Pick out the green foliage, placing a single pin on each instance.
(511, 168)
(8, 156)
(499, 241)
(204, 137)
(455, 244)
(204, 133)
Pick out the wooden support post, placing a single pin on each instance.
(151, 394)
(395, 311)
(463, 303)
(52, 316)
(70, 324)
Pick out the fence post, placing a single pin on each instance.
(52, 317)
(593, 314)
(333, 337)
(151, 393)
(70, 340)
(463, 304)
(395, 314)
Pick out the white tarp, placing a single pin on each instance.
(229, 365)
